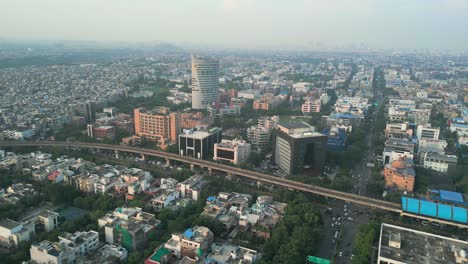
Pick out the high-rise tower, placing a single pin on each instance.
(205, 82)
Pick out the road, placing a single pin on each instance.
(360, 174)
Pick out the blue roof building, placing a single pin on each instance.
(336, 138)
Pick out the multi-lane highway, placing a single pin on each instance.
(259, 177)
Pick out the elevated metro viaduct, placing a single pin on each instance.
(256, 176)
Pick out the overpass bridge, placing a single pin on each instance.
(252, 175)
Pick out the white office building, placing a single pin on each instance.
(205, 82)
(234, 151)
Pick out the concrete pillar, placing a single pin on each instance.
(259, 184)
(142, 156)
(231, 176)
(116, 154)
(192, 167)
(210, 171)
(168, 162)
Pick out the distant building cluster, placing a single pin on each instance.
(35, 104)
(409, 141)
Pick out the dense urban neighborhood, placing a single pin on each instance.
(357, 128)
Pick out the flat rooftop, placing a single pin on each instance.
(199, 134)
(418, 247)
(8, 223)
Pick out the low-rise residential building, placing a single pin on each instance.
(227, 208)
(341, 119)
(427, 132)
(161, 255)
(192, 187)
(46, 252)
(45, 220)
(107, 254)
(223, 109)
(396, 149)
(193, 243)
(434, 145)
(66, 250)
(129, 227)
(262, 217)
(231, 254)
(12, 232)
(80, 242)
(461, 128)
(164, 197)
(16, 192)
(248, 94)
(439, 162)
(398, 130)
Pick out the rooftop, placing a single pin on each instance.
(293, 124)
(418, 247)
(199, 134)
(8, 223)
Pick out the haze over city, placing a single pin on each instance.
(295, 24)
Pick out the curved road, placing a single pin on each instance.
(357, 199)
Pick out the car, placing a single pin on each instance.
(341, 254)
(350, 219)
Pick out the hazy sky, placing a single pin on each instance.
(439, 24)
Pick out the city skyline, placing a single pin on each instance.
(298, 24)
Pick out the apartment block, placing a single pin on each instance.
(311, 106)
(129, 227)
(427, 132)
